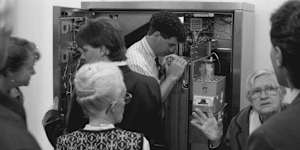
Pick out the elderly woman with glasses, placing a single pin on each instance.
(265, 97)
(101, 93)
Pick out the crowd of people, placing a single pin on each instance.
(121, 93)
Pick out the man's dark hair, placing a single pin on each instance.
(285, 34)
(168, 24)
(103, 32)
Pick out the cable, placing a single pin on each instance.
(218, 59)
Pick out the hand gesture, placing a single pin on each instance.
(212, 128)
(175, 66)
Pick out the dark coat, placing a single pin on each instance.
(13, 130)
(237, 132)
(281, 132)
(142, 114)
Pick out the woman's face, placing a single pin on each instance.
(22, 76)
(265, 95)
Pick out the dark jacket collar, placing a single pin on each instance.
(243, 119)
(125, 69)
(242, 124)
(296, 100)
(12, 105)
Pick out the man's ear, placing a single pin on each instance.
(103, 51)
(114, 107)
(156, 34)
(278, 56)
(8, 73)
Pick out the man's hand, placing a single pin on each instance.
(175, 66)
(212, 128)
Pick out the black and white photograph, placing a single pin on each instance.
(149, 75)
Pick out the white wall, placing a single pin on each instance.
(262, 44)
(34, 22)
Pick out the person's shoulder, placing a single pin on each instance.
(259, 140)
(133, 51)
(281, 127)
(245, 111)
(142, 78)
(134, 46)
(10, 118)
(12, 131)
(148, 82)
(129, 133)
(242, 114)
(146, 79)
(73, 134)
(281, 131)
(284, 119)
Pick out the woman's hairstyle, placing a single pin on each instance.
(263, 72)
(98, 85)
(19, 51)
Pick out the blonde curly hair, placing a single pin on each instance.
(98, 85)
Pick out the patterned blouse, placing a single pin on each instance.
(110, 139)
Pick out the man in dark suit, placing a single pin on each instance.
(101, 40)
(282, 131)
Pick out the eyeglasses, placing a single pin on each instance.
(269, 90)
(127, 98)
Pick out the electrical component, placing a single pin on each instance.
(209, 94)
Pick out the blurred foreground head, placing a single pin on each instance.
(6, 25)
(285, 38)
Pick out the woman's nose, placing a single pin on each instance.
(264, 94)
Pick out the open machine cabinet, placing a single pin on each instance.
(217, 31)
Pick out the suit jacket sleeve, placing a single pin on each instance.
(152, 106)
(225, 145)
(53, 124)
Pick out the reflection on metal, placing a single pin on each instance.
(168, 5)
